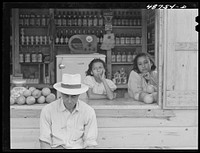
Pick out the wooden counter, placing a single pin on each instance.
(122, 123)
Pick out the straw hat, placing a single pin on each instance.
(71, 85)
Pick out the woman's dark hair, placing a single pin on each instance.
(88, 72)
(135, 67)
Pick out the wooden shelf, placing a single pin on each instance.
(32, 26)
(122, 86)
(127, 27)
(39, 85)
(34, 63)
(79, 26)
(48, 45)
(128, 45)
(124, 63)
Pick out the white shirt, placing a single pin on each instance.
(96, 87)
(137, 83)
(71, 130)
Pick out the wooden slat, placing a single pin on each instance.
(179, 120)
(147, 137)
(115, 113)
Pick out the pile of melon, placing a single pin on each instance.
(31, 96)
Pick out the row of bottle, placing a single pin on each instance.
(123, 57)
(78, 18)
(63, 35)
(151, 36)
(35, 40)
(129, 18)
(33, 54)
(33, 19)
(128, 39)
(120, 77)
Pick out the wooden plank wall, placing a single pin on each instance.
(176, 132)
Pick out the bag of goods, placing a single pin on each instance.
(32, 89)
(51, 97)
(21, 100)
(36, 93)
(27, 93)
(41, 100)
(30, 100)
(46, 91)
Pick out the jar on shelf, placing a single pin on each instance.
(113, 57)
(119, 57)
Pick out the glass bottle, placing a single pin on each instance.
(95, 19)
(64, 22)
(84, 19)
(113, 57)
(75, 19)
(100, 19)
(117, 41)
(57, 38)
(90, 19)
(32, 19)
(129, 57)
(122, 40)
(39, 56)
(119, 57)
(21, 20)
(61, 37)
(119, 19)
(43, 22)
(79, 20)
(59, 19)
(69, 19)
(137, 39)
(66, 37)
(38, 20)
(123, 57)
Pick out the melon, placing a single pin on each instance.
(12, 100)
(27, 93)
(30, 100)
(148, 99)
(21, 100)
(46, 91)
(32, 89)
(36, 93)
(150, 89)
(41, 100)
(51, 97)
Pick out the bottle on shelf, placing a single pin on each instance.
(36, 40)
(117, 39)
(134, 19)
(119, 57)
(33, 55)
(69, 18)
(43, 20)
(123, 76)
(32, 19)
(119, 19)
(59, 19)
(21, 56)
(123, 19)
(37, 22)
(21, 19)
(41, 40)
(75, 19)
(66, 37)
(124, 57)
(32, 40)
(61, 37)
(79, 19)
(64, 21)
(90, 19)
(101, 37)
(115, 18)
(57, 37)
(39, 56)
(122, 39)
(113, 57)
(130, 18)
(127, 39)
(100, 19)
(138, 18)
(134, 55)
(137, 39)
(84, 19)
(95, 19)
(27, 40)
(129, 57)
(27, 56)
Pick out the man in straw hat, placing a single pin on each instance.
(68, 123)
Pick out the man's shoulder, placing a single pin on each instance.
(51, 105)
(85, 106)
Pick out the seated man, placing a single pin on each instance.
(68, 123)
